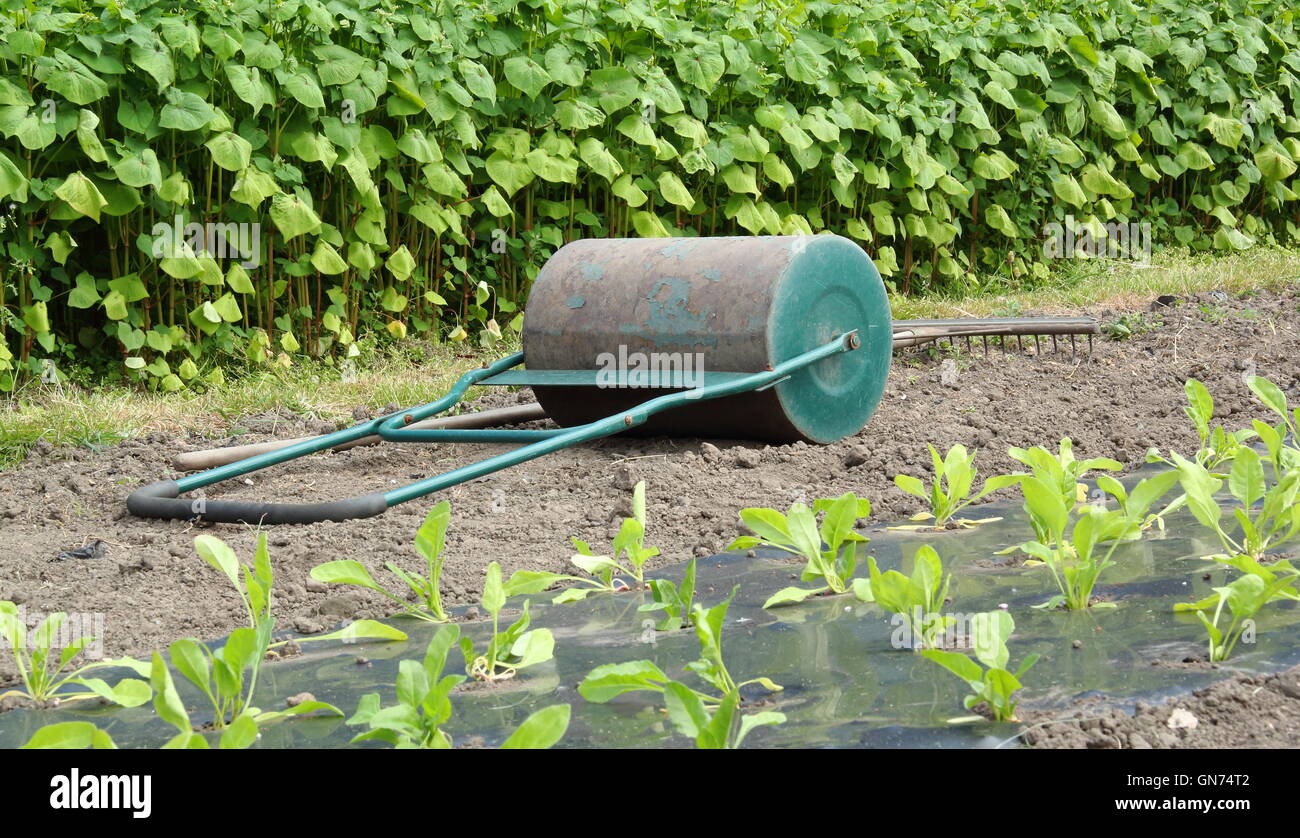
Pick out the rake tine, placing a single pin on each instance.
(985, 338)
(1055, 346)
(1073, 357)
(1038, 344)
(1020, 344)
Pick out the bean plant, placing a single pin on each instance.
(918, 599)
(424, 706)
(48, 672)
(410, 171)
(950, 491)
(992, 684)
(1243, 597)
(797, 532)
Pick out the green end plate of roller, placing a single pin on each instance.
(830, 287)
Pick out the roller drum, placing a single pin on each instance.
(736, 304)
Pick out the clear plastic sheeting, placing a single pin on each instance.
(847, 684)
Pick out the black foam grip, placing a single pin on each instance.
(163, 500)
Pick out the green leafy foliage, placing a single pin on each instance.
(507, 652)
(1076, 544)
(798, 532)
(991, 684)
(1243, 597)
(424, 706)
(917, 599)
(677, 602)
(49, 669)
(945, 139)
(629, 546)
(430, 542)
(1265, 516)
(950, 492)
(710, 718)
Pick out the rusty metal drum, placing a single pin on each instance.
(710, 306)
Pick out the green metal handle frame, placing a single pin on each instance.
(162, 499)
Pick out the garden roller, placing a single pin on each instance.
(772, 338)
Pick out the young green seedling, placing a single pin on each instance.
(993, 684)
(1243, 597)
(676, 602)
(797, 532)
(1078, 561)
(1061, 470)
(629, 543)
(228, 676)
(711, 719)
(517, 647)
(70, 736)
(430, 542)
(239, 734)
(253, 584)
(1267, 517)
(43, 667)
(917, 600)
(424, 706)
(1217, 446)
(1282, 439)
(950, 492)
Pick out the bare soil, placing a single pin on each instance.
(151, 588)
(1239, 712)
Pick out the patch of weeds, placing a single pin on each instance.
(1131, 325)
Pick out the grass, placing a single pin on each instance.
(93, 418)
(71, 415)
(1115, 284)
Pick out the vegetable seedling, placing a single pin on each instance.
(1061, 470)
(1243, 597)
(676, 602)
(917, 600)
(712, 720)
(254, 584)
(797, 532)
(1078, 561)
(430, 543)
(993, 684)
(424, 706)
(629, 543)
(950, 491)
(509, 651)
(43, 667)
(1267, 517)
(1282, 439)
